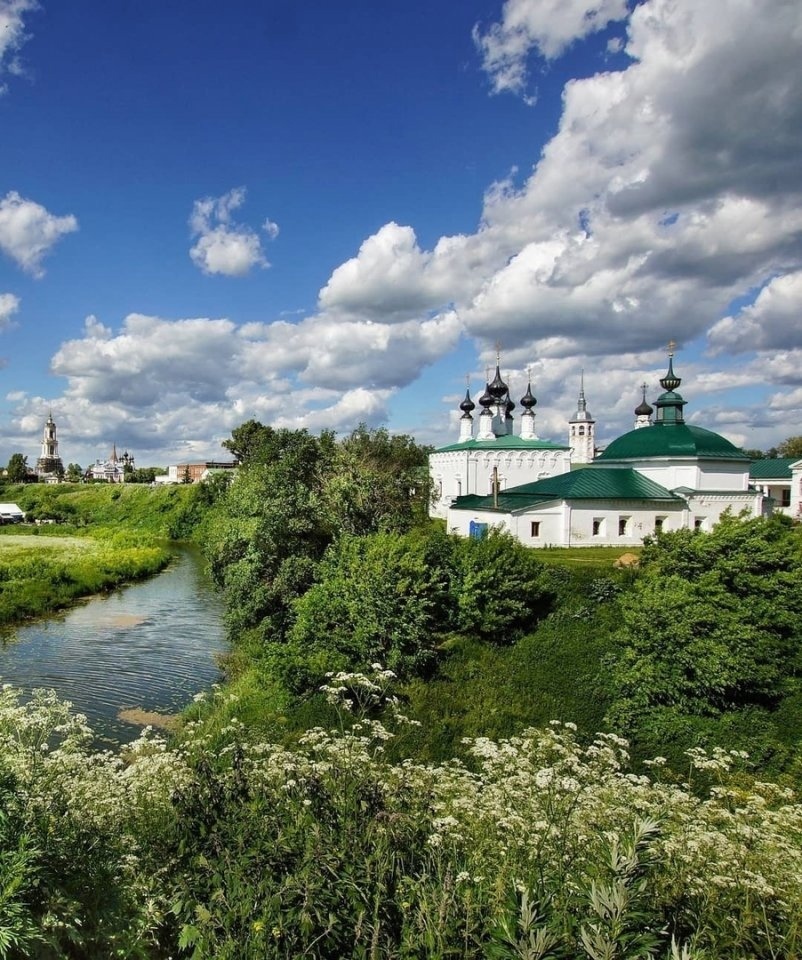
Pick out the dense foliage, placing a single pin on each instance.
(537, 847)
(711, 646)
(295, 493)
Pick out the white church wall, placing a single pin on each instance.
(457, 473)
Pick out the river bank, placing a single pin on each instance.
(40, 574)
(129, 657)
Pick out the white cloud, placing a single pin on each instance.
(9, 305)
(772, 322)
(12, 36)
(547, 26)
(223, 246)
(28, 231)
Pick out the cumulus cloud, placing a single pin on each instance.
(670, 191)
(28, 231)
(9, 304)
(223, 246)
(772, 322)
(156, 383)
(12, 36)
(547, 26)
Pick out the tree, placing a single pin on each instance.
(378, 481)
(17, 471)
(267, 532)
(380, 598)
(74, 472)
(792, 447)
(711, 628)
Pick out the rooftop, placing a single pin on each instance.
(590, 483)
(674, 439)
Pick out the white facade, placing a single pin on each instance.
(679, 476)
(458, 472)
(605, 523)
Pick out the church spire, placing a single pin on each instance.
(669, 404)
(581, 429)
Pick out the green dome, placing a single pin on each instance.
(672, 440)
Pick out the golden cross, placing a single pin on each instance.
(672, 346)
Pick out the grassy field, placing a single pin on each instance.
(41, 573)
(168, 512)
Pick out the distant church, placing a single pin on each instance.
(665, 474)
(49, 467)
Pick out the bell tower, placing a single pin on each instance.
(49, 462)
(581, 429)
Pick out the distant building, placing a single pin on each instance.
(11, 513)
(195, 472)
(112, 470)
(49, 468)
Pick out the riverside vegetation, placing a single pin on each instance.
(404, 761)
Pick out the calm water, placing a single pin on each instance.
(151, 646)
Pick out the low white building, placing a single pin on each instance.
(11, 513)
(663, 475)
(780, 479)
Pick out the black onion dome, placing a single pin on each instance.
(497, 388)
(528, 399)
(644, 409)
(467, 404)
(510, 406)
(486, 400)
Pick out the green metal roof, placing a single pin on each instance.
(672, 440)
(777, 469)
(590, 483)
(509, 442)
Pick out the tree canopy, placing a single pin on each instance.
(711, 628)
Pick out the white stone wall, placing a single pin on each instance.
(458, 473)
(608, 523)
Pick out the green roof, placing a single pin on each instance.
(777, 469)
(590, 483)
(509, 442)
(672, 440)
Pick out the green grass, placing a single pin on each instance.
(39, 574)
(169, 512)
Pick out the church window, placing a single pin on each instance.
(535, 528)
(659, 523)
(598, 526)
(623, 526)
(699, 523)
(581, 431)
(785, 497)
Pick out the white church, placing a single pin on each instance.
(665, 474)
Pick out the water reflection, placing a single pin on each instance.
(148, 647)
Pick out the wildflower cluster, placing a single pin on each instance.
(536, 846)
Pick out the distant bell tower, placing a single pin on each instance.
(581, 429)
(49, 463)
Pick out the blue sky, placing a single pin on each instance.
(316, 214)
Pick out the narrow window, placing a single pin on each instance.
(786, 497)
(623, 526)
(699, 523)
(535, 528)
(598, 526)
(658, 524)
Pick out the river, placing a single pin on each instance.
(150, 646)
